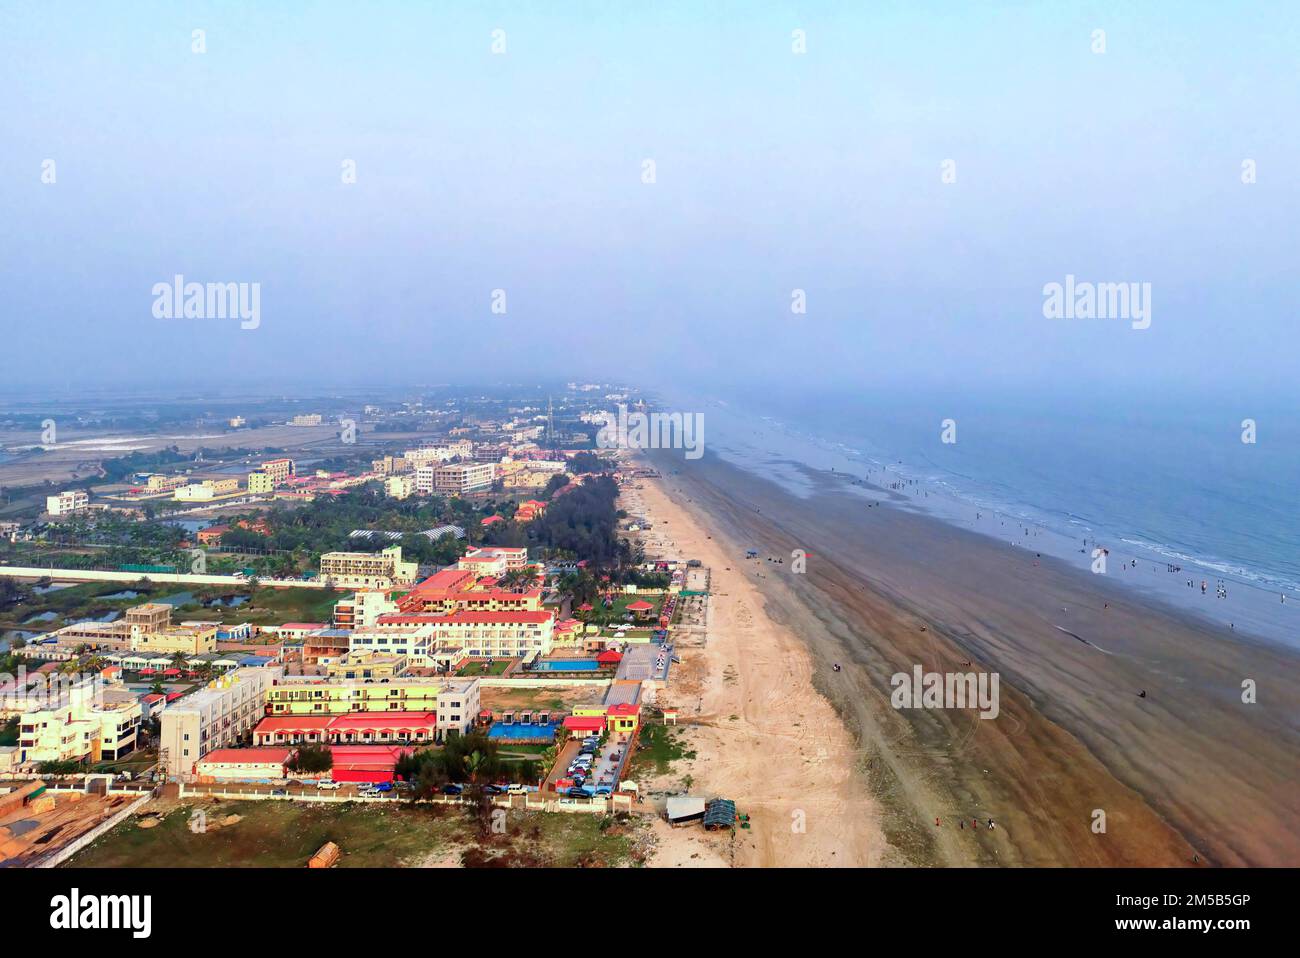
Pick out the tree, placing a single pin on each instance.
(311, 758)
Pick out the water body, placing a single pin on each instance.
(1171, 492)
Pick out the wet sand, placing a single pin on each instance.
(1189, 774)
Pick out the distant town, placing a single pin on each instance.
(470, 619)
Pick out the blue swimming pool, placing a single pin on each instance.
(520, 732)
(566, 665)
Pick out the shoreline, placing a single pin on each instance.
(759, 730)
(1188, 775)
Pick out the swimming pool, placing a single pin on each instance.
(566, 665)
(521, 732)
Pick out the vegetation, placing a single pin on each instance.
(658, 746)
(311, 758)
(391, 835)
(472, 759)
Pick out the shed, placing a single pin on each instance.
(685, 810)
(720, 813)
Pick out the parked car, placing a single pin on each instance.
(604, 789)
(279, 791)
(517, 789)
(452, 789)
(328, 784)
(383, 786)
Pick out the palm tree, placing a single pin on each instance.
(473, 762)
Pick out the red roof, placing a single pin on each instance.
(383, 720)
(471, 617)
(266, 755)
(623, 708)
(489, 521)
(584, 723)
(609, 656)
(369, 757)
(444, 579)
(292, 723)
(640, 606)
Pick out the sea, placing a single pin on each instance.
(1183, 507)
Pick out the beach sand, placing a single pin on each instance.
(1189, 774)
(762, 734)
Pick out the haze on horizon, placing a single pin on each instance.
(774, 171)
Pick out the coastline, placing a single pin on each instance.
(759, 730)
(1187, 775)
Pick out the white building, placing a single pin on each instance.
(66, 503)
(215, 717)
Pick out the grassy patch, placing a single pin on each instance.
(281, 834)
(482, 668)
(658, 746)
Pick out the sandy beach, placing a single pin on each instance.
(761, 732)
(1188, 775)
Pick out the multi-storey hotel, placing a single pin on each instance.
(460, 477)
(278, 469)
(215, 717)
(368, 570)
(67, 503)
(88, 722)
(504, 634)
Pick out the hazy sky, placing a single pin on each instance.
(774, 171)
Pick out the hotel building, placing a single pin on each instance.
(67, 503)
(89, 721)
(215, 717)
(381, 570)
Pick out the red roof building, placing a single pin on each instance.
(609, 657)
(365, 763)
(579, 725)
(364, 728)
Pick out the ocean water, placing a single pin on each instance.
(1158, 485)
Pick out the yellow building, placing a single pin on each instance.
(457, 698)
(85, 722)
(367, 666)
(367, 570)
(189, 639)
(260, 482)
(278, 469)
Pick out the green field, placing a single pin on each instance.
(658, 746)
(284, 834)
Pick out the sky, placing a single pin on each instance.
(921, 171)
